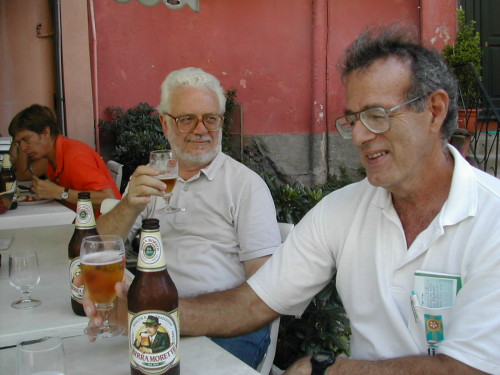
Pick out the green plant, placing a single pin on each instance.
(466, 51)
(137, 131)
(467, 46)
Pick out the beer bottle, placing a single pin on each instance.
(152, 309)
(84, 226)
(8, 178)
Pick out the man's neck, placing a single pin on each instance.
(417, 207)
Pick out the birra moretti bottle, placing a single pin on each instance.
(84, 226)
(153, 317)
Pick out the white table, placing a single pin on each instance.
(55, 315)
(199, 356)
(38, 215)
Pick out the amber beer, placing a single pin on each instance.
(152, 307)
(169, 181)
(101, 271)
(84, 226)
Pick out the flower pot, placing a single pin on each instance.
(467, 119)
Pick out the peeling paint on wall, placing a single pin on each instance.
(442, 33)
(243, 83)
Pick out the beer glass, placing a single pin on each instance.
(41, 356)
(166, 162)
(102, 262)
(24, 276)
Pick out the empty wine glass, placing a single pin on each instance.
(102, 262)
(166, 162)
(24, 276)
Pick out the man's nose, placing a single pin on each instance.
(198, 128)
(360, 133)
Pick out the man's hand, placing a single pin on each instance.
(121, 308)
(142, 186)
(45, 189)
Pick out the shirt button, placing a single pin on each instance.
(186, 188)
(183, 209)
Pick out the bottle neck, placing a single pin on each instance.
(85, 215)
(151, 255)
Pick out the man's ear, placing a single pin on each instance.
(46, 132)
(438, 103)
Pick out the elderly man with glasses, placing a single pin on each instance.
(226, 227)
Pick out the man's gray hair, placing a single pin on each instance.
(190, 77)
(428, 70)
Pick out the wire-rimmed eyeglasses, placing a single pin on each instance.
(377, 120)
(187, 123)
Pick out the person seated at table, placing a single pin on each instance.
(422, 207)
(70, 165)
(226, 228)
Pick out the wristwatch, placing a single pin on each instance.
(64, 194)
(320, 361)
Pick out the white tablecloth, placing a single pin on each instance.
(38, 215)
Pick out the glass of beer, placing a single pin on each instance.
(166, 162)
(102, 262)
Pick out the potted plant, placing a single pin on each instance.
(466, 51)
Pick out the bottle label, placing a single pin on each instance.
(85, 215)
(74, 271)
(151, 255)
(8, 185)
(153, 340)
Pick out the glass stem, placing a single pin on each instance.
(26, 295)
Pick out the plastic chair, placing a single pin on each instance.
(265, 365)
(116, 170)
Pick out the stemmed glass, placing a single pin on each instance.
(24, 276)
(102, 262)
(166, 162)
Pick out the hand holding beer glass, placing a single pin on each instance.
(102, 262)
(166, 162)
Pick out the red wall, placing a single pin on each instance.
(278, 54)
(261, 50)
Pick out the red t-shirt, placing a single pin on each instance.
(79, 167)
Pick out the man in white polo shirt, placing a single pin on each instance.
(226, 227)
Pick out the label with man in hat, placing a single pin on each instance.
(154, 341)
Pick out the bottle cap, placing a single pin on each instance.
(84, 195)
(150, 224)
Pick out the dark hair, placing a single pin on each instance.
(35, 118)
(428, 70)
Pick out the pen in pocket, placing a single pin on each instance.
(414, 303)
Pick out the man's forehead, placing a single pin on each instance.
(22, 134)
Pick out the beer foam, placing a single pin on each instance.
(102, 258)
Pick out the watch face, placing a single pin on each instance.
(64, 195)
(321, 357)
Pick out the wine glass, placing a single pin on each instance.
(102, 262)
(166, 162)
(24, 276)
(44, 355)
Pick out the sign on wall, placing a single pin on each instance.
(172, 4)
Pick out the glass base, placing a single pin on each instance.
(168, 210)
(26, 304)
(104, 331)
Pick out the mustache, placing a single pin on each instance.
(198, 138)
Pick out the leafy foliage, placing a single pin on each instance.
(467, 46)
(465, 51)
(137, 131)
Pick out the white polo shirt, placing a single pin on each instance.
(227, 217)
(357, 231)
